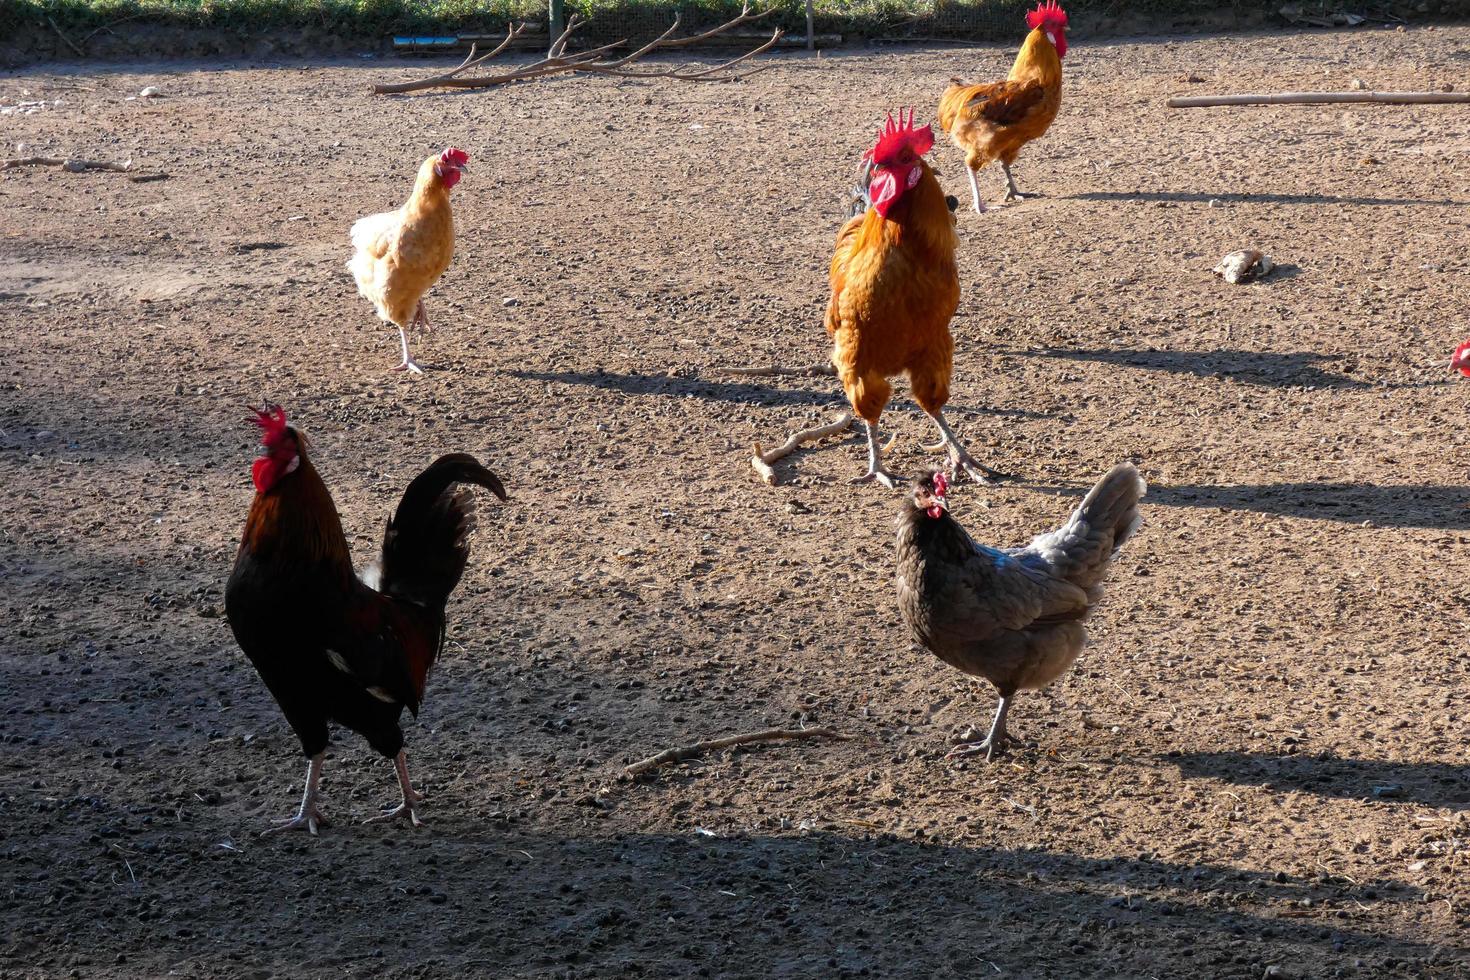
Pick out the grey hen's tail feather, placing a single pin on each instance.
(1080, 550)
(425, 545)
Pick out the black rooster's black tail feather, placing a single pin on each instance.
(426, 546)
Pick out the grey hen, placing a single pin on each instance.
(1013, 617)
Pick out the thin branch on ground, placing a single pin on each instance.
(776, 371)
(71, 164)
(1318, 98)
(670, 756)
(763, 460)
(558, 61)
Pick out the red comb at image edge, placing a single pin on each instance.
(272, 422)
(1461, 361)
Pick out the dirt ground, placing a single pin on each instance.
(1258, 765)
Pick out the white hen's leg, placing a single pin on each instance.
(995, 742)
(978, 472)
(410, 796)
(408, 362)
(310, 816)
(975, 190)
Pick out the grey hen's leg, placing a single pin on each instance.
(995, 742)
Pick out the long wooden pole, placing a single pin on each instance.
(811, 36)
(1319, 98)
(555, 22)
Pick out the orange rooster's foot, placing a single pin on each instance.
(410, 366)
(1018, 196)
(308, 820)
(880, 475)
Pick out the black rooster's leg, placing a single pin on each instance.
(1013, 193)
(995, 742)
(875, 461)
(410, 795)
(978, 472)
(408, 362)
(310, 816)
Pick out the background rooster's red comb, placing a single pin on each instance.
(272, 422)
(895, 136)
(455, 157)
(1048, 11)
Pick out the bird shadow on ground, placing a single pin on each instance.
(1241, 197)
(1430, 784)
(1404, 505)
(743, 393)
(1266, 368)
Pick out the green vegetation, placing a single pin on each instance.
(372, 19)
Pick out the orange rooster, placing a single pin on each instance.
(992, 122)
(400, 254)
(895, 287)
(329, 646)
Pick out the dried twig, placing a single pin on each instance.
(66, 40)
(557, 61)
(1317, 98)
(776, 371)
(668, 756)
(763, 459)
(66, 163)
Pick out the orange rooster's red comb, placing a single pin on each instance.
(455, 157)
(1461, 360)
(1049, 13)
(272, 422)
(895, 137)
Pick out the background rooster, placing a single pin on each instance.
(1013, 617)
(400, 254)
(991, 122)
(329, 646)
(895, 287)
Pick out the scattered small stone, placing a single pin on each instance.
(1244, 265)
(151, 92)
(1358, 85)
(1391, 791)
(510, 301)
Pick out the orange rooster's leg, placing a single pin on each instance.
(1013, 193)
(978, 472)
(995, 742)
(310, 816)
(408, 362)
(421, 318)
(875, 461)
(975, 190)
(410, 795)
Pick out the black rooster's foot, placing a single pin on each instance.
(308, 820)
(404, 809)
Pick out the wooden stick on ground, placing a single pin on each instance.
(66, 163)
(762, 460)
(1318, 98)
(669, 756)
(776, 371)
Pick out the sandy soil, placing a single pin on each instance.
(1259, 763)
